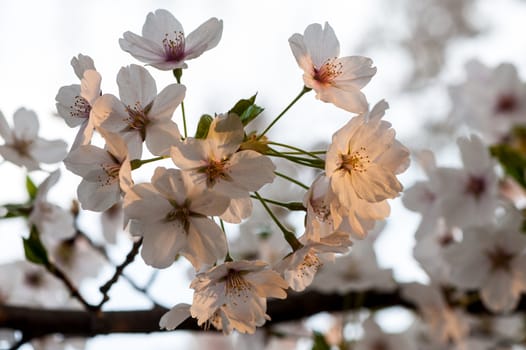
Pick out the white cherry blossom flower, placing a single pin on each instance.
(469, 196)
(491, 259)
(217, 164)
(300, 267)
(446, 324)
(22, 145)
(376, 339)
(163, 43)
(235, 293)
(141, 115)
(356, 271)
(424, 196)
(172, 215)
(362, 163)
(75, 102)
(106, 173)
(53, 222)
(335, 79)
(491, 100)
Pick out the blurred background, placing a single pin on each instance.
(419, 47)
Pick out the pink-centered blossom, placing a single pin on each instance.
(106, 173)
(490, 259)
(75, 102)
(236, 292)
(163, 43)
(22, 145)
(217, 164)
(141, 115)
(335, 79)
(469, 195)
(172, 214)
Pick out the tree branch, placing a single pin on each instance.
(34, 323)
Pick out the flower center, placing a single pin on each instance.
(506, 103)
(311, 263)
(180, 213)
(215, 170)
(356, 161)
(237, 286)
(475, 186)
(174, 46)
(112, 170)
(499, 258)
(21, 146)
(329, 71)
(81, 108)
(138, 118)
(34, 279)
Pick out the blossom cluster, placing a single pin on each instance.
(215, 175)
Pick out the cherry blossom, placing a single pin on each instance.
(236, 293)
(75, 102)
(172, 216)
(335, 79)
(300, 267)
(469, 196)
(376, 339)
(163, 43)
(362, 163)
(492, 260)
(217, 163)
(141, 115)
(491, 100)
(105, 172)
(53, 222)
(22, 145)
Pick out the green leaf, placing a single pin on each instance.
(34, 249)
(203, 126)
(512, 161)
(319, 342)
(247, 110)
(31, 188)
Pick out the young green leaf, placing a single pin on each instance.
(34, 249)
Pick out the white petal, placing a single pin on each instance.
(90, 86)
(321, 43)
(161, 136)
(166, 102)
(136, 85)
(142, 49)
(98, 196)
(25, 124)
(49, 151)
(158, 24)
(173, 318)
(162, 242)
(204, 38)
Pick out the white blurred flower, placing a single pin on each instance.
(141, 115)
(32, 286)
(163, 43)
(336, 80)
(445, 324)
(233, 295)
(469, 196)
(23, 147)
(75, 102)
(491, 100)
(375, 338)
(172, 215)
(492, 260)
(356, 271)
(53, 222)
